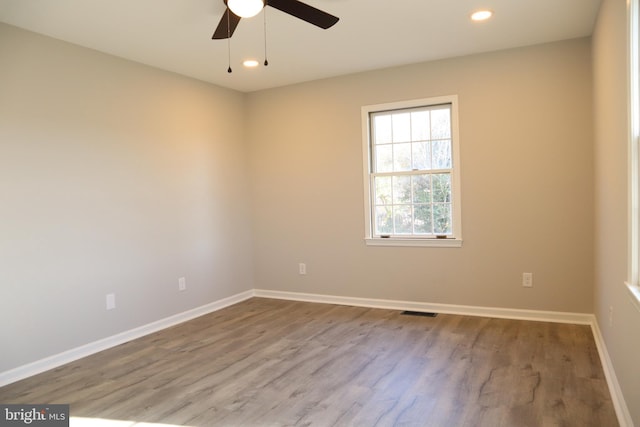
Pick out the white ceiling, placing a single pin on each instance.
(175, 35)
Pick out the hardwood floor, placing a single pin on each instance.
(266, 362)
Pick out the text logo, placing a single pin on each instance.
(34, 415)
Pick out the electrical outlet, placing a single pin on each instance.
(527, 280)
(302, 268)
(111, 301)
(182, 284)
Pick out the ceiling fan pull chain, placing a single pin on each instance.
(229, 70)
(264, 12)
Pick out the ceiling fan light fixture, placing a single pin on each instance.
(245, 8)
(481, 15)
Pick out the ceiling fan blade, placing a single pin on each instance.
(305, 12)
(227, 25)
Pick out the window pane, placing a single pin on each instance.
(383, 190)
(420, 126)
(412, 168)
(440, 124)
(401, 157)
(422, 219)
(401, 127)
(401, 189)
(402, 219)
(441, 187)
(441, 151)
(384, 221)
(421, 189)
(384, 158)
(382, 129)
(442, 218)
(421, 155)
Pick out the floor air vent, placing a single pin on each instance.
(419, 313)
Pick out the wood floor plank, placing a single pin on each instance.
(266, 362)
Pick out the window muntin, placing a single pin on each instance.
(411, 180)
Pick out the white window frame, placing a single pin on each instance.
(633, 282)
(453, 240)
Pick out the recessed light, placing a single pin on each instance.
(481, 15)
(250, 63)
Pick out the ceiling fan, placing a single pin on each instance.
(300, 10)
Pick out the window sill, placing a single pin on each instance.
(425, 243)
(634, 292)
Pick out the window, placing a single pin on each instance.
(411, 164)
(634, 149)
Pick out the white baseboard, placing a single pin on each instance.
(468, 310)
(622, 411)
(60, 359)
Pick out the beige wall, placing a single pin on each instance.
(114, 177)
(527, 183)
(611, 136)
